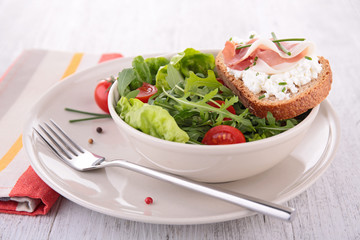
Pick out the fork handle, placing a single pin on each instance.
(251, 203)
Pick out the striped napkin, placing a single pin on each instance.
(32, 74)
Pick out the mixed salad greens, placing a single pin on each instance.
(188, 100)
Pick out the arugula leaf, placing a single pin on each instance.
(193, 82)
(267, 127)
(203, 108)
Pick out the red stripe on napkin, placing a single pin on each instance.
(9, 68)
(109, 56)
(9, 207)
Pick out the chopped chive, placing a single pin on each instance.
(94, 115)
(252, 36)
(246, 68)
(269, 76)
(261, 97)
(243, 46)
(87, 119)
(230, 39)
(275, 41)
(279, 45)
(283, 90)
(255, 59)
(289, 40)
(308, 58)
(257, 74)
(87, 113)
(282, 83)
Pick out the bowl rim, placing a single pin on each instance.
(247, 146)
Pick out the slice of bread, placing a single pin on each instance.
(308, 96)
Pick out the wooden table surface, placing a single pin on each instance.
(329, 209)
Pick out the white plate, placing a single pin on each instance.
(120, 193)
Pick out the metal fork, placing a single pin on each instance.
(82, 160)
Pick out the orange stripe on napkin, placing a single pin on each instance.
(9, 156)
(75, 61)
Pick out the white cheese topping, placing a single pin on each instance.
(280, 85)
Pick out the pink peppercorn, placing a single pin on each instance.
(149, 200)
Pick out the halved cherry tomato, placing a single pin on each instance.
(146, 91)
(220, 81)
(221, 102)
(222, 135)
(101, 94)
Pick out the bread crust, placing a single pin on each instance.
(308, 96)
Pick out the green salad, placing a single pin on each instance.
(185, 99)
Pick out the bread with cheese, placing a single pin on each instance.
(308, 96)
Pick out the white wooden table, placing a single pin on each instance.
(329, 209)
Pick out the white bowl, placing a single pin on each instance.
(212, 163)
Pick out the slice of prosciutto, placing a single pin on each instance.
(265, 56)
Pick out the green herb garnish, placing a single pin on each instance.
(308, 58)
(276, 41)
(283, 90)
(261, 97)
(279, 45)
(282, 83)
(95, 115)
(255, 59)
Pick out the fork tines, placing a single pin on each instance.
(58, 141)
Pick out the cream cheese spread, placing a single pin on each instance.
(280, 85)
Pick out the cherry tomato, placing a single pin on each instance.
(230, 109)
(220, 81)
(222, 135)
(101, 94)
(146, 91)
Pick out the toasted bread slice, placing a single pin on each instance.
(308, 96)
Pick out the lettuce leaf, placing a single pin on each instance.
(192, 60)
(150, 119)
(161, 82)
(154, 64)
